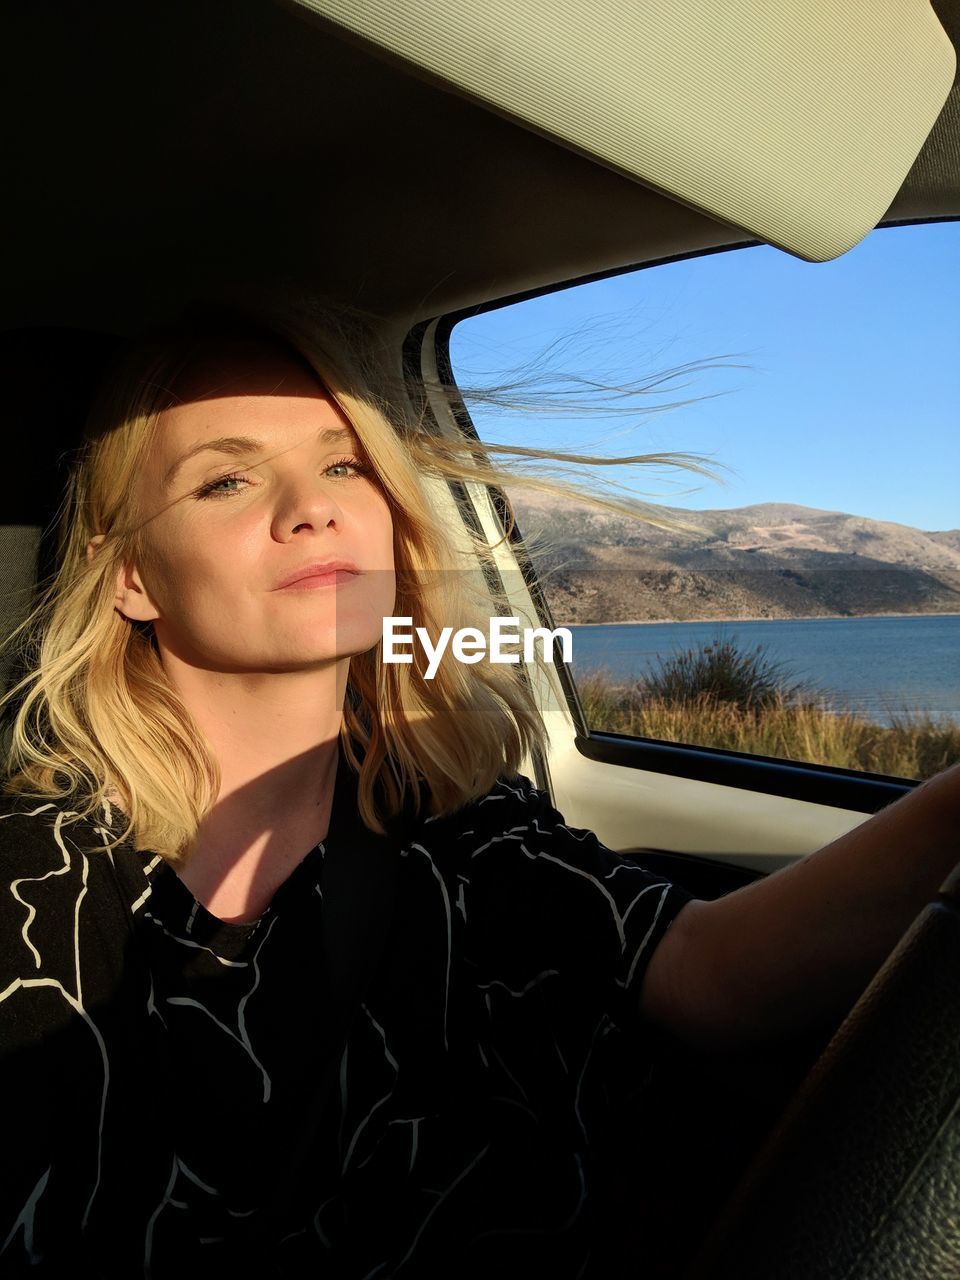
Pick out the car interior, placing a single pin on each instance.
(421, 164)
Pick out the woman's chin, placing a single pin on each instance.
(342, 645)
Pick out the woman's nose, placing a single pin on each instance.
(307, 500)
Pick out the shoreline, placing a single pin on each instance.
(805, 617)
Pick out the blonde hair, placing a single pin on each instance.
(96, 716)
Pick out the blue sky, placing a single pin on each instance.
(850, 395)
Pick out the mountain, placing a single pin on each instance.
(771, 560)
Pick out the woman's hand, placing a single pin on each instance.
(797, 949)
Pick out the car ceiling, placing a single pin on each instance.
(158, 152)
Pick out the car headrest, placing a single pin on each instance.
(49, 377)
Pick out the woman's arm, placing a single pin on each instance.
(798, 948)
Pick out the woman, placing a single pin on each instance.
(339, 992)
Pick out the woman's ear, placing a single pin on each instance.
(132, 598)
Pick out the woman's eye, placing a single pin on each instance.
(235, 481)
(213, 488)
(353, 464)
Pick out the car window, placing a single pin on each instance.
(805, 603)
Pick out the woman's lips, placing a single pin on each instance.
(329, 578)
(322, 573)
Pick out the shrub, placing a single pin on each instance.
(748, 679)
(913, 746)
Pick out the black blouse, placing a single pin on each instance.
(180, 1091)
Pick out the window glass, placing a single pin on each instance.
(805, 603)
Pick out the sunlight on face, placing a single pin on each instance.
(256, 476)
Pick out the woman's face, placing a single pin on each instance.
(256, 476)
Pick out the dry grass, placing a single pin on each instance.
(785, 726)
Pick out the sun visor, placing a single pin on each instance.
(796, 121)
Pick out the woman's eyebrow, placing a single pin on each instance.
(237, 446)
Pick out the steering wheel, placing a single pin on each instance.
(860, 1179)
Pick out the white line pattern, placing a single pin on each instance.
(186, 1146)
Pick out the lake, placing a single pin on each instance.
(876, 666)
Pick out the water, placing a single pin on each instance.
(878, 667)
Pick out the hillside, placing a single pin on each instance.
(772, 560)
